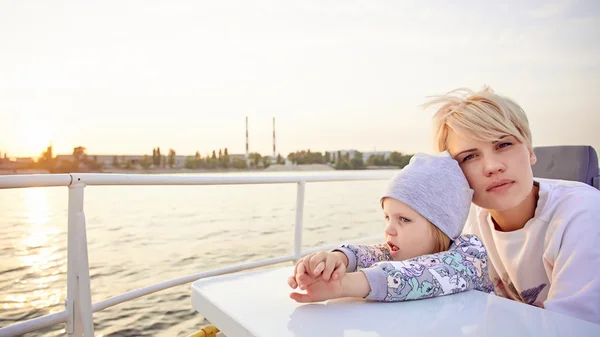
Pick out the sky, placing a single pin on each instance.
(122, 77)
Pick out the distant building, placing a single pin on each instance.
(385, 154)
(16, 163)
(24, 161)
(6, 164)
(108, 160)
(352, 153)
(238, 156)
(342, 153)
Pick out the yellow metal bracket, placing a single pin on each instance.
(206, 331)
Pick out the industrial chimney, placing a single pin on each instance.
(274, 158)
(247, 157)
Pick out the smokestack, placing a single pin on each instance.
(274, 159)
(247, 148)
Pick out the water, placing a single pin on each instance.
(142, 235)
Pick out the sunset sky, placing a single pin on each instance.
(121, 77)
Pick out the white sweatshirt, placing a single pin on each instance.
(554, 261)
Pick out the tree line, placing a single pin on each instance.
(80, 161)
(348, 161)
(218, 159)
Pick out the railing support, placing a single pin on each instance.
(299, 221)
(85, 290)
(78, 302)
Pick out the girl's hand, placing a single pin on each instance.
(319, 290)
(351, 285)
(328, 265)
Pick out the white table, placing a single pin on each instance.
(257, 304)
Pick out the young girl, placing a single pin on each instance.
(425, 207)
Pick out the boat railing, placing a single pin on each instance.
(79, 309)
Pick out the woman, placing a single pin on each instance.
(542, 235)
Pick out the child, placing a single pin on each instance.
(425, 207)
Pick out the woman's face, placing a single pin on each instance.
(499, 172)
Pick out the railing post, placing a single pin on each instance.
(77, 279)
(85, 291)
(299, 221)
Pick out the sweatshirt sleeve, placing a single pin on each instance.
(461, 268)
(364, 256)
(575, 284)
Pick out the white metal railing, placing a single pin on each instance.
(79, 309)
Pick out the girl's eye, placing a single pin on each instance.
(387, 217)
(403, 219)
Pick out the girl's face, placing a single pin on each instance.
(498, 172)
(408, 233)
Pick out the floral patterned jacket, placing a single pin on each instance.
(461, 268)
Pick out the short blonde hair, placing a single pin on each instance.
(480, 116)
(442, 241)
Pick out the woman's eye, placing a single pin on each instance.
(469, 157)
(502, 145)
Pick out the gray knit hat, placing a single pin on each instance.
(435, 187)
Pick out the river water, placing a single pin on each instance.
(142, 235)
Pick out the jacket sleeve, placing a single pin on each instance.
(364, 256)
(575, 283)
(461, 268)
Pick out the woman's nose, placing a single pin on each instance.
(492, 165)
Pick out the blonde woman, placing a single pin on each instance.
(542, 235)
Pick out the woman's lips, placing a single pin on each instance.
(499, 185)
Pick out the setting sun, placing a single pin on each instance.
(34, 137)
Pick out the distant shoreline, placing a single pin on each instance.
(271, 168)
